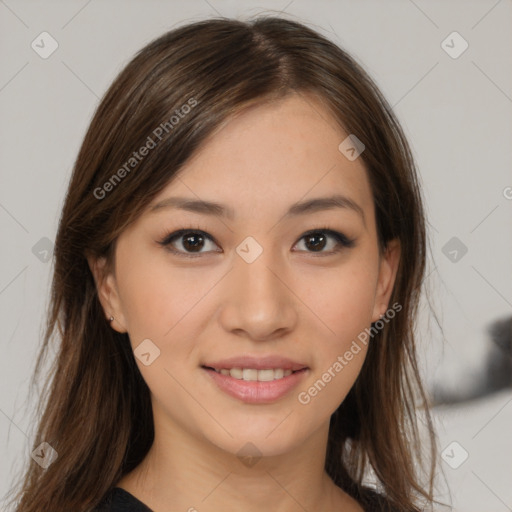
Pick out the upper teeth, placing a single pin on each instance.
(253, 374)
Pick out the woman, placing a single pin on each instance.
(237, 273)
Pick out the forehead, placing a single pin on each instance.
(271, 156)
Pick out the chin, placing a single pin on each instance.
(260, 436)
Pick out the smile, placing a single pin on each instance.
(256, 386)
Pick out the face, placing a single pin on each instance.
(262, 286)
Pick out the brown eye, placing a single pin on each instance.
(318, 240)
(188, 242)
(193, 242)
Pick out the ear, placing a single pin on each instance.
(387, 274)
(108, 294)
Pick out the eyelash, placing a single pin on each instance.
(342, 241)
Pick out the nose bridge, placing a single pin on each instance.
(257, 301)
(253, 266)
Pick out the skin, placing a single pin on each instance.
(290, 301)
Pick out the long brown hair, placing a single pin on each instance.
(95, 409)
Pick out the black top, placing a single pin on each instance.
(119, 500)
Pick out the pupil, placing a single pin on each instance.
(316, 246)
(193, 245)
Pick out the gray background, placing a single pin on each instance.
(456, 113)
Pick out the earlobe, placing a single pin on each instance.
(387, 275)
(108, 296)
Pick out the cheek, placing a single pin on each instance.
(342, 299)
(341, 351)
(157, 297)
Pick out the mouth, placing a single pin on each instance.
(256, 381)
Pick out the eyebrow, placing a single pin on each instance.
(300, 208)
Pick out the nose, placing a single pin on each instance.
(257, 301)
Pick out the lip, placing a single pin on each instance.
(256, 392)
(258, 363)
